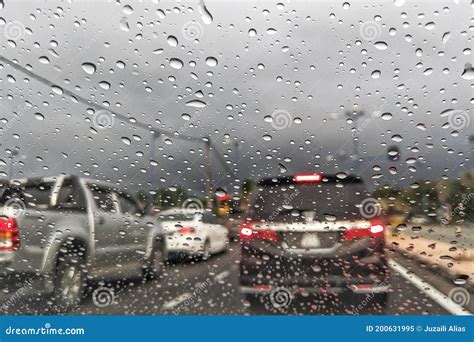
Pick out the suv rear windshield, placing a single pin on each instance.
(303, 201)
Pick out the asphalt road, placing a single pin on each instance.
(211, 288)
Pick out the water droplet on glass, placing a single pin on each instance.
(57, 89)
(461, 279)
(271, 31)
(381, 45)
(468, 73)
(104, 85)
(172, 41)
(127, 9)
(196, 104)
(375, 74)
(330, 217)
(44, 60)
(211, 61)
(205, 14)
(430, 26)
(89, 68)
(397, 137)
(176, 63)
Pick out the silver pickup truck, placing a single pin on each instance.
(66, 230)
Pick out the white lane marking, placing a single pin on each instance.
(176, 301)
(222, 275)
(429, 290)
(185, 296)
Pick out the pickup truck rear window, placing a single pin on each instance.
(33, 196)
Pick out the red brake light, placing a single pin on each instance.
(186, 230)
(308, 178)
(9, 235)
(375, 230)
(248, 232)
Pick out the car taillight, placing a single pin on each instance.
(307, 178)
(375, 230)
(9, 235)
(186, 230)
(248, 232)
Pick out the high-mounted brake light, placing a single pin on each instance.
(247, 232)
(9, 235)
(186, 230)
(308, 178)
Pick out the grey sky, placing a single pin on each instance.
(319, 61)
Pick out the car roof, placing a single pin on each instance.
(46, 179)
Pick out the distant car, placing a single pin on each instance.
(61, 230)
(309, 234)
(193, 233)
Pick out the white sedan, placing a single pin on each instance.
(193, 233)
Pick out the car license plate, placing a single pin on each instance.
(310, 240)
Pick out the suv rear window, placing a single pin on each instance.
(302, 201)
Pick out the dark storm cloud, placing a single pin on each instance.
(309, 61)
